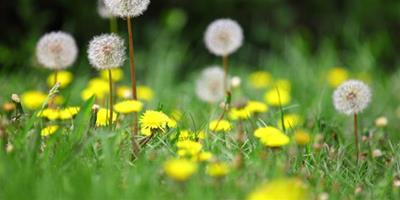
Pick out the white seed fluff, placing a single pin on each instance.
(127, 8)
(210, 85)
(352, 97)
(223, 37)
(56, 50)
(106, 51)
(103, 10)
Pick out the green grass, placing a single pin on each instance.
(82, 162)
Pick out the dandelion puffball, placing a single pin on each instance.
(106, 51)
(223, 37)
(56, 50)
(127, 8)
(103, 10)
(210, 85)
(352, 97)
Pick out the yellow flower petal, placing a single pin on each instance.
(49, 130)
(220, 126)
(116, 73)
(180, 169)
(128, 106)
(103, 116)
(63, 77)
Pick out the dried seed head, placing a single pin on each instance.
(103, 10)
(15, 98)
(56, 50)
(210, 85)
(127, 8)
(352, 97)
(106, 51)
(223, 37)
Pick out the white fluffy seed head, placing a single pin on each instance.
(352, 97)
(127, 8)
(210, 85)
(223, 37)
(103, 10)
(106, 51)
(56, 50)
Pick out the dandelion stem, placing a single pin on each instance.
(225, 62)
(133, 80)
(110, 81)
(113, 25)
(53, 99)
(356, 137)
(55, 77)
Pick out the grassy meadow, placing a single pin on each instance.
(81, 156)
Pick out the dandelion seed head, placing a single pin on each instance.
(56, 50)
(352, 97)
(223, 37)
(127, 8)
(106, 51)
(210, 85)
(103, 10)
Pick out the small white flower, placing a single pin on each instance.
(127, 8)
(352, 97)
(106, 51)
(381, 122)
(377, 153)
(236, 81)
(103, 10)
(56, 50)
(223, 37)
(210, 85)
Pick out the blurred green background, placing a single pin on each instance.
(345, 25)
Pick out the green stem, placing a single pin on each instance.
(110, 81)
(135, 146)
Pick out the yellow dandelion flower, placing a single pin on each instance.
(220, 126)
(287, 189)
(103, 116)
(145, 93)
(116, 73)
(49, 113)
(283, 84)
(99, 84)
(201, 135)
(260, 79)
(275, 97)
(180, 169)
(124, 92)
(33, 99)
(49, 130)
(185, 135)
(145, 131)
(190, 147)
(271, 137)
(154, 120)
(63, 77)
(172, 123)
(302, 137)
(204, 156)
(291, 121)
(256, 107)
(89, 92)
(68, 113)
(128, 106)
(239, 113)
(336, 76)
(218, 169)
